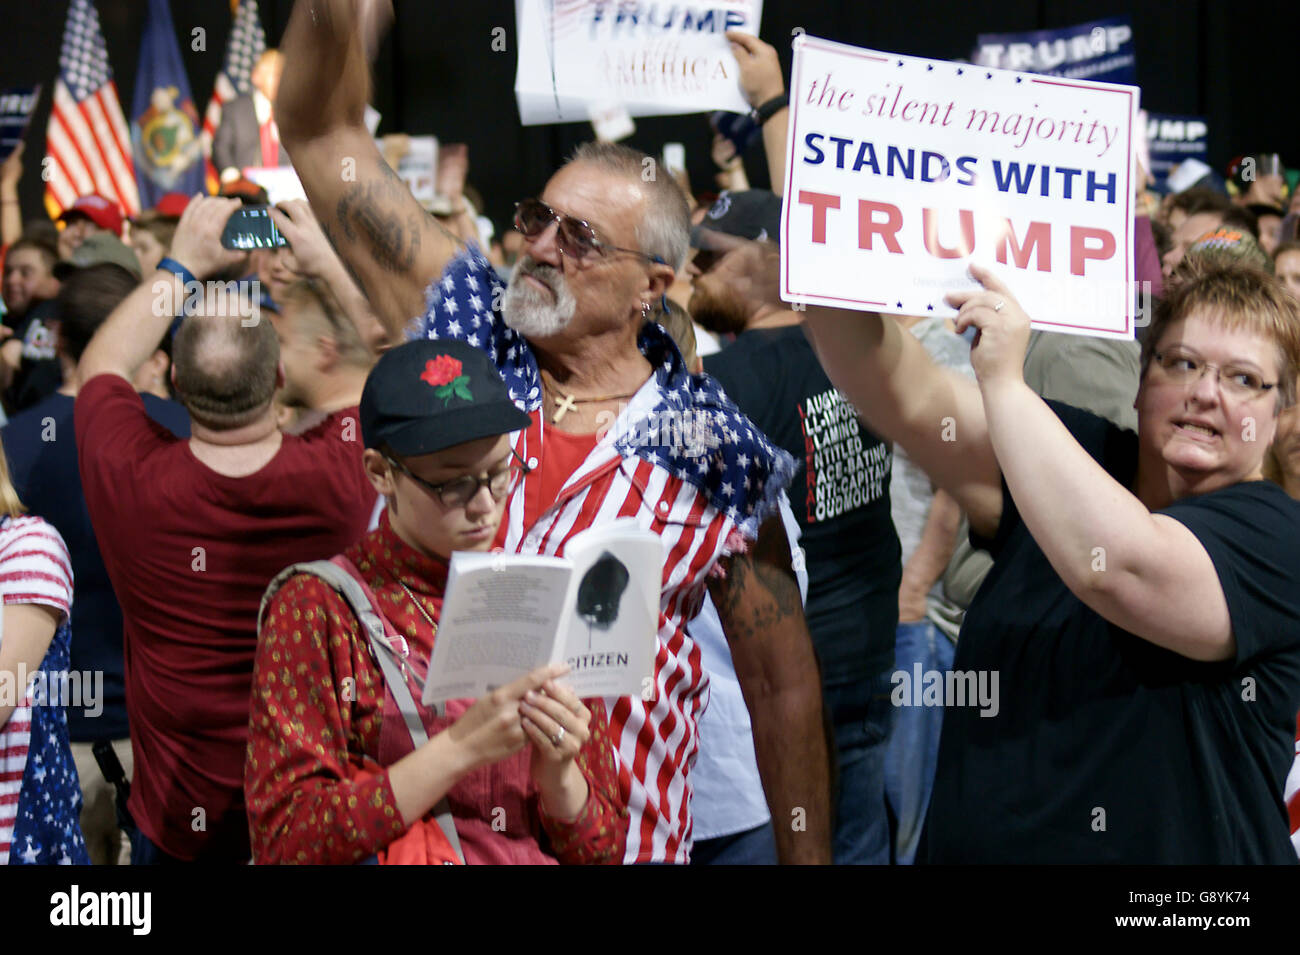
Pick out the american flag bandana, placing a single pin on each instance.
(686, 425)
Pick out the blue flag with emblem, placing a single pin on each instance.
(164, 122)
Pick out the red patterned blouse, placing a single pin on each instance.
(315, 789)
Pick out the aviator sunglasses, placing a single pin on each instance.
(575, 238)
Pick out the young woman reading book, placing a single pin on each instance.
(527, 773)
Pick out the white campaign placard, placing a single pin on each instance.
(900, 171)
(656, 58)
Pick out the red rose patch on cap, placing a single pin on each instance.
(443, 374)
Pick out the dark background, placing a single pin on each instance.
(437, 73)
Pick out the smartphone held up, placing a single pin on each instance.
(251, 227)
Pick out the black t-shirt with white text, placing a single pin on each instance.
(40, 374)
(1102, 746)
(839, 494)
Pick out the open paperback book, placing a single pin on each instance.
(596, 608)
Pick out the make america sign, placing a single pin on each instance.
(902, 170)
(651, 57)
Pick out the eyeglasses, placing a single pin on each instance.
(575, 238)
(460, 491)
(1183, 368)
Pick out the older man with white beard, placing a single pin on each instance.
(570, 339)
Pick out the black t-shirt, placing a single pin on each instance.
(1104, 747)
(839, 494)
(40, 374)
(41, 446)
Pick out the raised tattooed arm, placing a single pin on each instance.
(390, 245)
(762, 616)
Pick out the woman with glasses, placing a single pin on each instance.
(333, 775)
(1140, 629)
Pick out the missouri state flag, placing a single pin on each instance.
(164, 123)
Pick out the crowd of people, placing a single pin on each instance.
(229, 515)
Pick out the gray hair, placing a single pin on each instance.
(665, 230)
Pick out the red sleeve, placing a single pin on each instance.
(598, 836)
(311, 797)
(336, 442)
(115, 435)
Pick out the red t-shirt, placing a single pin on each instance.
(190, 552)
(563, 454)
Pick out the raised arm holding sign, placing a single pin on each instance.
(1118, 615)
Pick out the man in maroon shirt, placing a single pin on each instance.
(192, 530)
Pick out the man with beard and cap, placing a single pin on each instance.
(842, 507)
(618, 427)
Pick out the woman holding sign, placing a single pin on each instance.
(1141, 614)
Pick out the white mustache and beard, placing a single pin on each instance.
(529, 310)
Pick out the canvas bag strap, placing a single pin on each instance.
(344, 578)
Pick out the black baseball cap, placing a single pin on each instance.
(428, 395)
(750, 214)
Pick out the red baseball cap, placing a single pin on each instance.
(98, 210)
(173, 204)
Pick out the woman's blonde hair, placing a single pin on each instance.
(9, 503)
(1241, 298)
(677, 323)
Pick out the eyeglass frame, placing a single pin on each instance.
(521, 468)
(596, 244)
(1265, 387)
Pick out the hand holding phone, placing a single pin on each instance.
(197, 244)
(250, 228)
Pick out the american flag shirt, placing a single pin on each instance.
(685, 463)
(40, 795)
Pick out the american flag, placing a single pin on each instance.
(87, 138)
(34, 569)
(703, 489)
(247, 43)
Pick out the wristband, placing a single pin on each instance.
(761, 114)
(169, 264)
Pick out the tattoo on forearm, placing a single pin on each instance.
(760, 591)
(379, 214)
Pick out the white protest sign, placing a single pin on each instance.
(654, 58)
(901, 171)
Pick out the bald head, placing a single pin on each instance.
(225, 370)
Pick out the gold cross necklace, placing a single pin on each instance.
(568, 402)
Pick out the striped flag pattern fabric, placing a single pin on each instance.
(246, 44)
(701, 492)
(34, 569)
(87, 139)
